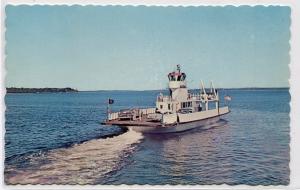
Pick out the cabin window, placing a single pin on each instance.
(186, 104)
(161, 106)
(172, 78)
(179, 78)
(169, 106)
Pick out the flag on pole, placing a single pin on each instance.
(110, 101)
(228, 98)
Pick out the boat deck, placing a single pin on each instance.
(138, 122)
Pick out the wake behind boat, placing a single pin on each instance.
(180, 111)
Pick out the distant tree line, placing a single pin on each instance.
(39, 90)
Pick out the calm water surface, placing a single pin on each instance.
(58, 138)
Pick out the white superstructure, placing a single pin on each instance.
(178, 111)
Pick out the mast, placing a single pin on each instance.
(216, 96)
(202, 87)
(204, 96)
(213, 89)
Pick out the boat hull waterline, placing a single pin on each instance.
(177, 128)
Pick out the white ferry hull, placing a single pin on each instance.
(175, 128)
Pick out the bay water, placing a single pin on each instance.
(57, 138)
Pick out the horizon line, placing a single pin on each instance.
(232, 88)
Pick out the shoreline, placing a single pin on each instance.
(39, 90)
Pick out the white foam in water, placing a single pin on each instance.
(79, 164)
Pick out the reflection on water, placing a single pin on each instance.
(207, 155)
(79, 164)
(178, 149)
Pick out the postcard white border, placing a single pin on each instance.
(294, 85)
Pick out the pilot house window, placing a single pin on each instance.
(186, 104)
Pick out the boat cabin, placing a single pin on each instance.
(180, 100)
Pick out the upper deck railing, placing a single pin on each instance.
(136, 111)
(191, 97)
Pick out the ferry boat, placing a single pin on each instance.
(179, 111)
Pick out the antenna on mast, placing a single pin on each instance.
(178, 67)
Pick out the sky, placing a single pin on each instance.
(134, 48)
